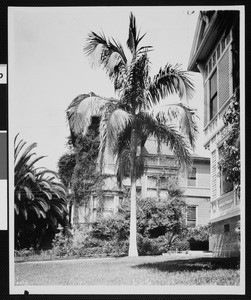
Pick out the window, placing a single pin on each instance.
(138, 190)
(213, 95)
(108, 206)
(225, 185)
(226, 228)
(191, 216)
(191, 180)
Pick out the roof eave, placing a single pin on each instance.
(209, 37)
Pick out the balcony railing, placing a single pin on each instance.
(225, 204)
(216, 124)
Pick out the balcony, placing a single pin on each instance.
(227, 205)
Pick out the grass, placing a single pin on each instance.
(150, 270)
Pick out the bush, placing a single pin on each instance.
(198, 237)
(179, 245)
(116, 227)
(152, 246)
(156, 217)
(159, 222)
(62, 245)
(200, 232)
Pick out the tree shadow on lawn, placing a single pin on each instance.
(195, 264)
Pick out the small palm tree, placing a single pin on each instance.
(127, 123)
(38, 192)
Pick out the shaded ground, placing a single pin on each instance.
(150, 270)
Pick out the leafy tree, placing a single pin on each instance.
(229, 163)
(40, 198)
(126, 124)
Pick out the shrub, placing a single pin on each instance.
(198, 237)
(200, 232)
(156, 217)
(179, 245)
(62, 245)
(152, 246)
(109, 228)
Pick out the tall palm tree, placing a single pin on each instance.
(127, 123)
(40, 199)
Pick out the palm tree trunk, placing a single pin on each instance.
(133, 251)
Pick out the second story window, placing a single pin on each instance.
(191, 180)
(213, 94)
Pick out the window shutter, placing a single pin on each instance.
(214, 170)
(224, 87)
(205, 105)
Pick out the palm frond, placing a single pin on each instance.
(108, 109)
(180, 115)
(166, 134)
(27, 150)
(18, 148)
(101, 49)
(136, 82)
(171, 80)
(42, 203)
(28, 193)
(118, 121)
(134, 36)
(80, 115)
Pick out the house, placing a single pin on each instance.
(215, 54)
(153, 183)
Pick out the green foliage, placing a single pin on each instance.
(66, 166)
(157, 217)
(200, 232)
(159, 223)
(109, 228)
(230, 162)
(62, 245)
(196, 238)
(86, 177)
(40, 199)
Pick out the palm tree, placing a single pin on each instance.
(127, 123)
(40, 199)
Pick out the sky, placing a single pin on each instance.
(48, 68)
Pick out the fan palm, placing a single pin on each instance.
(38, 192)
(127, 123)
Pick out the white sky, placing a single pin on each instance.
(48, 69)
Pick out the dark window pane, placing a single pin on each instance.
(213, 107)
(218, 52)
(191, 213)
(213, 85)
(191, 181)
(226, 228)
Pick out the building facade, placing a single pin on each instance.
(154, 184)
(215, 54)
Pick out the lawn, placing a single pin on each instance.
(147, 270)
